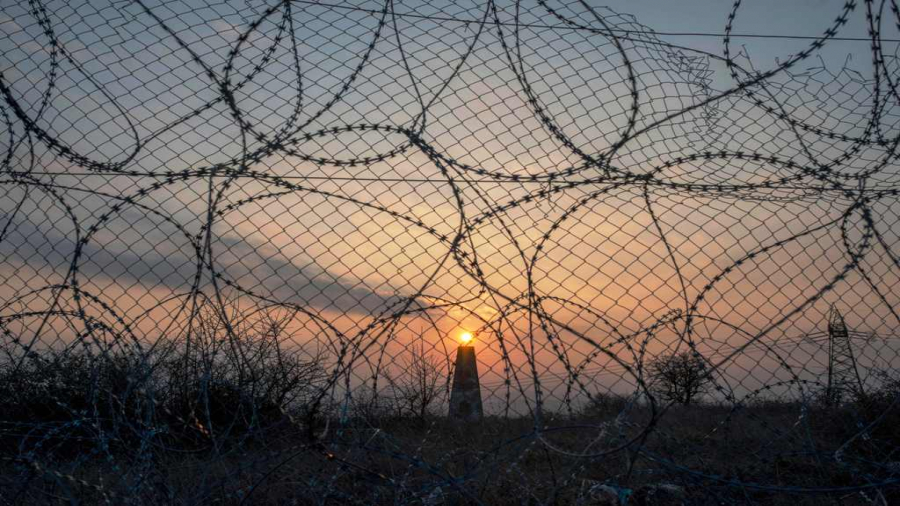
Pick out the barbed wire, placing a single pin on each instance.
(612, 31)
(241, 239)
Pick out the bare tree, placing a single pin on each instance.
(679, 377)
(419, 384)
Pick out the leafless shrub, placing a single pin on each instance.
(224, 378)
(242, 371)
(419, 384)
(604, 404)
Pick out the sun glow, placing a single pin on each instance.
(466, 338)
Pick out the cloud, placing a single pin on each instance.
(175, 268)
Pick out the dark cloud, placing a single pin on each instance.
(175, 269)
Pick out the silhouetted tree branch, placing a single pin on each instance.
(679, 377)
(419, 383)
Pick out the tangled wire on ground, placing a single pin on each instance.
(240, 239)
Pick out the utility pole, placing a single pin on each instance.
(843, 375)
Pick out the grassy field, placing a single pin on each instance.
(774, 454)
(250, 426)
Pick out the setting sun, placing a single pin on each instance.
(466, 337)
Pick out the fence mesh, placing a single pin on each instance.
(242, 243)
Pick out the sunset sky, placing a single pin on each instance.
(583, 253)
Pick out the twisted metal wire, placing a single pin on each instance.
(240, 239)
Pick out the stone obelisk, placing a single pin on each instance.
(465, 398)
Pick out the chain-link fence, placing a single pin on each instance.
(243, 244)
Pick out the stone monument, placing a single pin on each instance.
(465, 398)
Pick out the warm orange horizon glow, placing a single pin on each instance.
(465, 338)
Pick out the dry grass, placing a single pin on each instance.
(240, 445)
(497, 461)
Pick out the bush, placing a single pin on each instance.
(213, 385)
(603, 405)
(882, 406)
